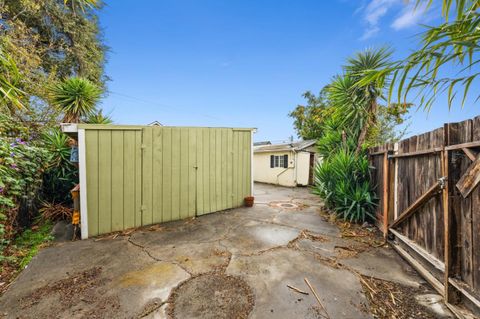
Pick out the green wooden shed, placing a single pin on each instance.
(132, 176)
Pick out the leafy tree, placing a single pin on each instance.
(51, 40)
(308, 118)
(75, 97)
(10, 94)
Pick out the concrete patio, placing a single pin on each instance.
(236, 263)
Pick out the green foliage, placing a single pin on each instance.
(41, 44)
(342, 181)
(28, 243)
(10, 94)
(98, 118)
(51, 40)
(75, 97)
(61, 175)
(22, 164)
(353, 121)
(308, 119)
(453, 43)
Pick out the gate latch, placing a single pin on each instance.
(443, 182)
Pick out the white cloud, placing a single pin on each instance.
(409, 16)
(370, 32)
(373, 12)
(376, 10)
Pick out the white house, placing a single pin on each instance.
(289, 164)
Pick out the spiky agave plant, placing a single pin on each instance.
(99, 118)
(76, 97)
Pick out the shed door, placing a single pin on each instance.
(190, 172)
(168, 173)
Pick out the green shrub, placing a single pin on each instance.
(342, 181)
(22, 164)
(61, 175)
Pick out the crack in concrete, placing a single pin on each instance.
(149, 254)
(153, 309)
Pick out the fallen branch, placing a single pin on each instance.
(316, 296)
(297, 290)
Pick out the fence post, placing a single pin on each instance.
(395, 182)
(446, 213)
(385, 193)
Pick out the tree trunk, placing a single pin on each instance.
(371, 119)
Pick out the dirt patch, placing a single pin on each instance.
(346, 252)
(211, 295)
(392, 300)
(306, 234)
(77, 293)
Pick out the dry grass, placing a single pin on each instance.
(52, 211)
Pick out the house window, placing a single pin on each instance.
(279, 161)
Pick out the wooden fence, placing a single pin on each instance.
(430, 207)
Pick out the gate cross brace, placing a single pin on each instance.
(471, 177)
(419, 202)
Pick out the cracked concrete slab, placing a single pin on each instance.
(128, 280)
(134, 276)
(302, 220)
(194, 258)
(270, 273)
(384, 263)
(254, 237)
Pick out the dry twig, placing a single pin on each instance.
(316, 297)
(297, 290)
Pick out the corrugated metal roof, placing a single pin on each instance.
(294, 146)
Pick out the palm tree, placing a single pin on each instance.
(75, 97)
(366, 91)
(99, 118)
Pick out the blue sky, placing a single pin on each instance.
(246, 63)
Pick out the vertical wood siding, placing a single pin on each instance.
(151, 175)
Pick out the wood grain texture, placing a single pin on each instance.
(445, 227)
(469, 179)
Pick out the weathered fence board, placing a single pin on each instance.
(415, 164)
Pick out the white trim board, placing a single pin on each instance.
(251, 161)
(82, 161)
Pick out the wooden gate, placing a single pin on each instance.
(141, 175)
(430, 207)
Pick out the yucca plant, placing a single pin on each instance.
(342, 181)
(98, 118)
(76, 97)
